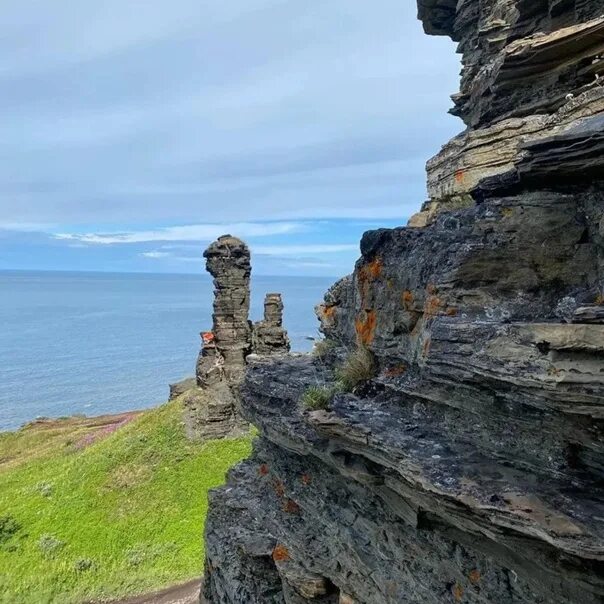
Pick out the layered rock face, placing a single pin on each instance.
(268, 335)
(211, 402)
(470, 466)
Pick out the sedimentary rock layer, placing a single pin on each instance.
(469, 467)
(268, 336)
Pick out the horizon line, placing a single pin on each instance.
(196, 274)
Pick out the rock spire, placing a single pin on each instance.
(212, 404)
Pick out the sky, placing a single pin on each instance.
(134, 133)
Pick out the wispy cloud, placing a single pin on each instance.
(155, 255)
(299, 253)
(191, 232)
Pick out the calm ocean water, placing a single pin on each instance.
(99, 343)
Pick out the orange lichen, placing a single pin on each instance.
(451, 311)
(306, 479)
(263, 470)
(329, 311)
(474, 576)
(207, 337)
(365, 327)
(459, 176)
(281, 553)
(367, 274)
(457, 591)
(374, 268)
(431, 288)
(433, 306)
(278, 487)
(291, 507)
(395, 371)
(426, 347)
(408, 299)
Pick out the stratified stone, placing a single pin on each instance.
(469, 469)
(181, 387)
(228, 261)
(211, 407)
(268, 336)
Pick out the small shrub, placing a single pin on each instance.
(9, 527)
(50, 545)
(317, 397)
(44, 488)
(360, 366)
(83, 564)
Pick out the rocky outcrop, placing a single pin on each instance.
(469, 467)
(212, 403)
(268, 336)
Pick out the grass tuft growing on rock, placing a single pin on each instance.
(322, 348)
(317, 398)
(360, 366)
(90, 513)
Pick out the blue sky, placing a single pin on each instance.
(133, 133)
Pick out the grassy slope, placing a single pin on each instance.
(120, 516)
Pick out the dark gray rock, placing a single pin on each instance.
(181, 387)
(211, 404)
(268, 336)
(470, 468)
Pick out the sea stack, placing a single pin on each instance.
(211, 401)
(467, 466)
(228, 261)
(269, 336)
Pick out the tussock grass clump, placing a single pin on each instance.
(322, 348)
(360, 366)
(318, 397)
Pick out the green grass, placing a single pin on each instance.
(318, 397)
(120, 516)
(360, 366)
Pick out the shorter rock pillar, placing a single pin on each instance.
(268, 336)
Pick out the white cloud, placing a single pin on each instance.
(191, 232)
(155, 255)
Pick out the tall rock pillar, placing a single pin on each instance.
(211, 403)
(228, 261)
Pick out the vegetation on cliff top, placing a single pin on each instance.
(95, 509)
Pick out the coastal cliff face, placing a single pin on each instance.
(470, 466)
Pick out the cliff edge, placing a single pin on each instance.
(446, 443)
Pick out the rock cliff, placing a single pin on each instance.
(465, 463)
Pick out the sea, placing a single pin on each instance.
(95, 343)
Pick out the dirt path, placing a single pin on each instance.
(187, 593)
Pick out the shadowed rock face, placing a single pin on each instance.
(471, 467)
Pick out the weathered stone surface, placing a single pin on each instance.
(228, 261)
(269, 336)
(211, 404)
(181, 387)
(470, 468)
